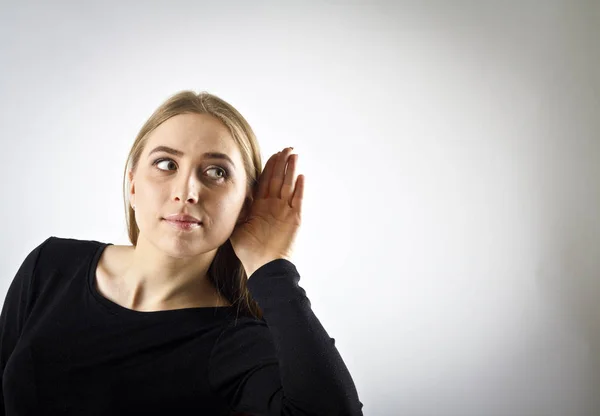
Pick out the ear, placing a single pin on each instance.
(131, 188)
(245, 212)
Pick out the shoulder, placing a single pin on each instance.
(57, 251)
(244, 346)
(241, 326)
(62, 244)
(52, 257)
(243, 336)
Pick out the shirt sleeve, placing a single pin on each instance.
(285, 364)
(15, 310)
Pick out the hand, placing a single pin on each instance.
(274, 219)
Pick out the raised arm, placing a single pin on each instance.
(288, 365)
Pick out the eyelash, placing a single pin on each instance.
(225, 171)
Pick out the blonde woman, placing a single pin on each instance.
(202, 314)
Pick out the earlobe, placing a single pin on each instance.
(132, 196)
(248, 204)
(131, 183)
(245, 210)
(131, 190)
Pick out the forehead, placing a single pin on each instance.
(194, 134)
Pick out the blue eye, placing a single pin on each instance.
(225, 172)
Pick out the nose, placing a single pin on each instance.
(188, 189)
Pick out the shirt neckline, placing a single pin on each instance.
(116, 309)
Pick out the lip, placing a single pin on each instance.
(182, 218)
(184, 225)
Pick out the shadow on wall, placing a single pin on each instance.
(569, 282)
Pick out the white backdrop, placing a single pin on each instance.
(451, 154)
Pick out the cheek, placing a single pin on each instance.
(150, 207)
(152, 193)
(225, 212)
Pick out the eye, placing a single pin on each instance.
(224, 171)
(224, 175)
(157, 162)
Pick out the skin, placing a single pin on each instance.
(167, 268)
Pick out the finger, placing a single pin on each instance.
(287, 189)
(278, 173)
(265, 177)
(298, 194)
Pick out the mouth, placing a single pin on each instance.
(184, 225)
(182, 218)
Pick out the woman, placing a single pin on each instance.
(202, 315)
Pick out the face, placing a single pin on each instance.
(205, 186)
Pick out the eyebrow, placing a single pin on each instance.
(209, 155)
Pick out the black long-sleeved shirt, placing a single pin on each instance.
(66, 349)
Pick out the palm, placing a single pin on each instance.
(275, 215)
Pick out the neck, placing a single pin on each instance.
(154, 280)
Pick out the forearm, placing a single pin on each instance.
(313, 373)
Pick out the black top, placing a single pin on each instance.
(66, 349)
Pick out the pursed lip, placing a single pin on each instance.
(182, 218)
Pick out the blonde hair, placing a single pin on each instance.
(226, 272)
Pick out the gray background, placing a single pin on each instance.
(451, 239)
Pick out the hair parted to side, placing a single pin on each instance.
(226, 272)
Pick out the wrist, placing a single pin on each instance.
(251, 266)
